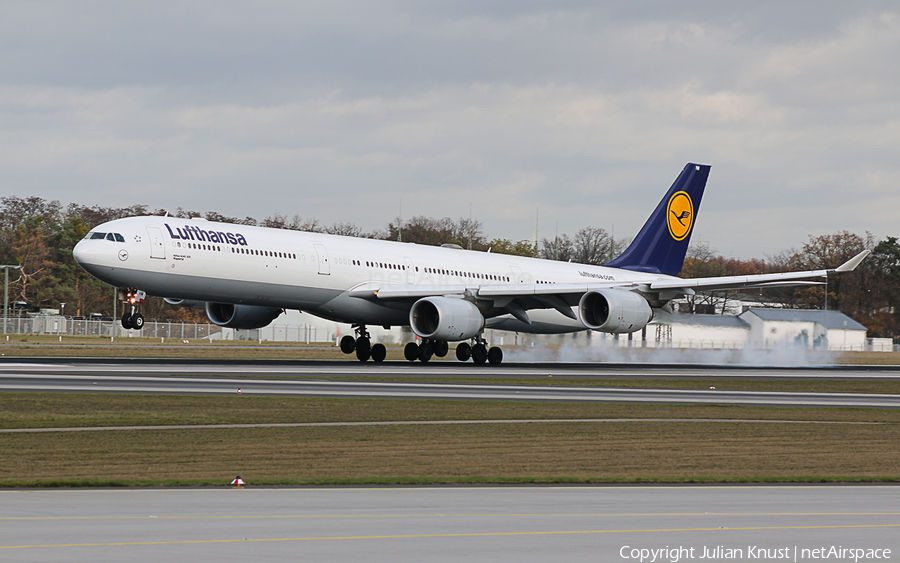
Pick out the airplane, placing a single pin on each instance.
(245, 277)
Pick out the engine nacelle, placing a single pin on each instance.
(614, 310)
(187, 304)
(241, 316)
(445, 318)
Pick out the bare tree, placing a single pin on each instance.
(560, 248)
(593, 245)
(345, 229)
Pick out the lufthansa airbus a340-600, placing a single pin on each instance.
(245, 277)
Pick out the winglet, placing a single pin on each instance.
(852, 263)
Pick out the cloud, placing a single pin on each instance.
(341, 110)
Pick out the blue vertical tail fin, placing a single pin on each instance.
(663, 241)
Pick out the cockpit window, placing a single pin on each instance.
(115, 237)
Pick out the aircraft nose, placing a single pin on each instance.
(84, 252)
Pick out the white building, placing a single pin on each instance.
(827, 330)
(697, 331)
(761, 329)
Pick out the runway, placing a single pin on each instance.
(288, 380)
(449, 524)
(275, 379)
(439, 524)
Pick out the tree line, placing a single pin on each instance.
(39, 235)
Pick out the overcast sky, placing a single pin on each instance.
(581, 112)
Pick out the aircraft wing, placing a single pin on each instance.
(512, 299)
(405, 291)
(516, 299)
(782, 279)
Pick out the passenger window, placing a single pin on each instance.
(119, 238)
(96, 236)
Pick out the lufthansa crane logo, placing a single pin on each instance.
(680, 215)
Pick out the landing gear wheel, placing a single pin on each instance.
(479, 354)
(463, 351)
(379, 352)
(495, 356)
(440, 348)
(126, 320)
(137, 321)
(348, 344)
(411, 351)
(425, 352)
(363, 349)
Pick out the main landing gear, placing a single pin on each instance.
(133, 319)
(362, 345)
(425, 350)
(478, 353)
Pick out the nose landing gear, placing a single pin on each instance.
(133, 319)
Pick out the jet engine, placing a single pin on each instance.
(614, 310)
(241, 316)
(445, 318)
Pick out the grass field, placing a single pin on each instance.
(540, 444)
(670, 444)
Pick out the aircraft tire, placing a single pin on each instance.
(479, 354)
(411, 351)
(440, 348)
(137, 321)
(348, 344)
(425, 353)
(495, 356)
(363, 354)
(126, 321)
(379, 353)
(463, 351)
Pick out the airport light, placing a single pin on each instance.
(6, 270)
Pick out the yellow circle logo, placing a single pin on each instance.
(680, 215)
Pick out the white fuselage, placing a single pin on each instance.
(225, 263)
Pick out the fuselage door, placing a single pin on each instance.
(322, 258)
(157, 246)
(410, 271)
(517, 274)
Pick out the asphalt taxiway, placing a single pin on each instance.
(444, 524)
(300, 379)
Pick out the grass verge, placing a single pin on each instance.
(693, 444)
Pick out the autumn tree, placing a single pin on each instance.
(466, 233)
(36, 282)
(505, 246)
